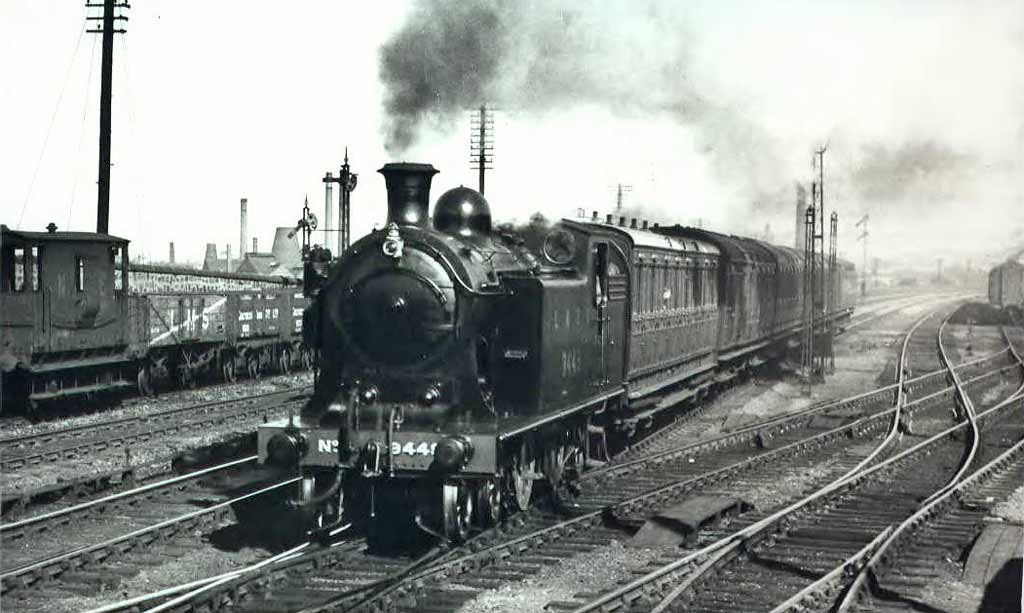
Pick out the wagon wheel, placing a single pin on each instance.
(284, 360)
(307, 359)
(457, 504)
(252, 364)
(228, 370)
(145, 381)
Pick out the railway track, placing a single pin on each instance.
(536, 538)
(77, 441)
(82, 547)
(763, 560)
(892, 571)
(119, 453)
(350, 576)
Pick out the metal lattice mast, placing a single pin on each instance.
(481, 143)
(620, 192)
(832, 288)
(807, 355)
(106, 94)
(863, 237)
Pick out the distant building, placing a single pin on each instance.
(284, 259)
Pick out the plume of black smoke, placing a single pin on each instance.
(439, 64)
(538, 56)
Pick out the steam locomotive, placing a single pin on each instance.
(459, 367)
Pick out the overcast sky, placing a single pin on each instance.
(708, 110)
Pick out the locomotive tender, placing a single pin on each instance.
(459, 367)
(77, 320)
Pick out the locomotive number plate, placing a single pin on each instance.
(411, 448)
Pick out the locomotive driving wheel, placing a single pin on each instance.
(457, 505)
(228, 370)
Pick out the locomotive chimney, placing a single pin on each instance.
(408, 192)
(645, 224)
(594, 218)
(243, 234)
(632, 223)
(622, 222)
(608, 218)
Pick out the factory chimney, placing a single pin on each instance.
(801, 211)
(408, 192)
(243, 234)
(255, 245)
(170, 255)
(227, 255)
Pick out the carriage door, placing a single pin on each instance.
(610, 291)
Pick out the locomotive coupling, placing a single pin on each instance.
(286, 448)
(453, 452)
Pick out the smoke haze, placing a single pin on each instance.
(743, 93)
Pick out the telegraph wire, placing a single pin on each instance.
(49, 129)
(81, 134)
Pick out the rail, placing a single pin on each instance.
(713, 555)
(10, 530)
(53, 566)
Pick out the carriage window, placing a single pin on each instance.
(37, 258)
(635, 289)
(698, 275)
(19, 269)
(79, 273)
(116, 261)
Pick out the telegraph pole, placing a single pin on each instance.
(481, 142)
(106, 87)
(864, 258)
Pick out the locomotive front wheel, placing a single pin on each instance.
(457, 504)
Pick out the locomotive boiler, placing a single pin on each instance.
(459, 367)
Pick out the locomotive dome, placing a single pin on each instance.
(462, 212)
